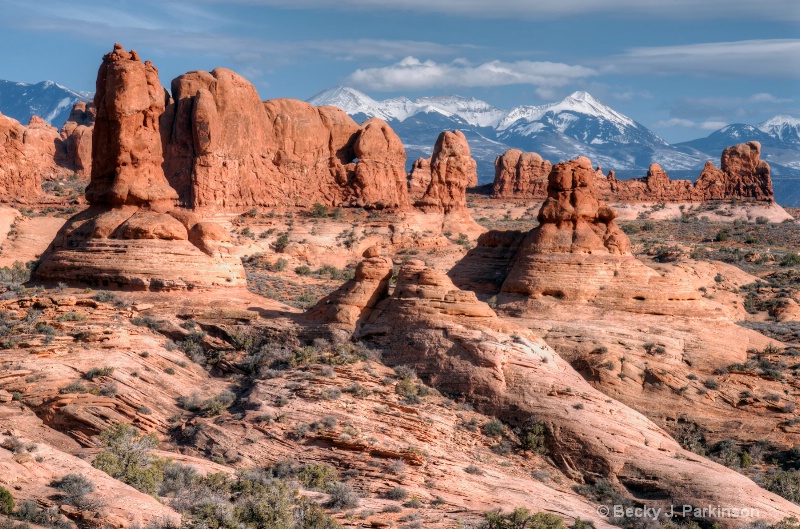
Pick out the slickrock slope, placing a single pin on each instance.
(28, 157)
(225, 149)
(520, 174)
(131, 235)
(461, 347)
(743, 175)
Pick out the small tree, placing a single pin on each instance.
(127, 458)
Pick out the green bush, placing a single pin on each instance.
(521, 518)
(126, 457)
(6, 501)
(318, 476)
(493, 428)
(96, 372)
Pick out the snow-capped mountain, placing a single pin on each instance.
(48, 100)
(472, 111)
(577, 125)
(783, 127)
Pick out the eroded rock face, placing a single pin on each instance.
(453, 170)
(126, 142)
(28, 156)
(132, 236)
(225, 149)
(520, 174)
(353, 302)
(572, 219)
(76, 136)
(419, 178)
(743, 175)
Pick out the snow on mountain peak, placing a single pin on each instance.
(783, 127)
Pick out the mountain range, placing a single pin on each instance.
(577, 125)
(48, 100)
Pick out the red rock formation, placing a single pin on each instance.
(226, 149)
(519, 174)
(419, 178)
(452, 170)
(126, 142)
(353, 302)
(743, 176)
(27, 158)
(76, 136)
(132, 236)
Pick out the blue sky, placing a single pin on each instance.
(681, 67)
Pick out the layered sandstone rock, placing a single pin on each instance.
(28, 156)
(520, 174)
(225, 149)
(453, 170)
(458, 345)
(353, 302)
(743, 175)
(76, 136)
(132, 236)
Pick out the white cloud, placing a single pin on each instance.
(690, 124)
(414, 74)
(675, 9)
(748, 58)
(676, 122)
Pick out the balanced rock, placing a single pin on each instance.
(743, 175)
(520, 174)
(132, 236)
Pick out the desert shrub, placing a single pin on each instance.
(303, 270)
(260, 505)
(790, 259)
(342, 496)
(74, 487)
(281, 243)
(533, 436)
(104, 296)
(309, 515)
(396, 466)
(6, 501)
(318, 476)
(493, 428)
(319, 211)
(126, 456)
(521, 518)
(279, 265)
(472, 469)
(177, 478)
(71, 316)
(96, 372)
(711, 383)
(146, 321)
(785, 483)
(397, 493)
(73, 387)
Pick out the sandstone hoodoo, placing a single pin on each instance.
(76, 136)
(226, 149)
(453, 170)
(520, 174)
(419, 178)
(132, 235)
(743, 175)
